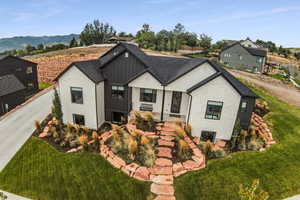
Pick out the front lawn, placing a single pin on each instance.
(278, 169)
(38, 171)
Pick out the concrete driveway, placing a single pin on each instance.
(17, 127)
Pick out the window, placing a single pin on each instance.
(126, 54)
(213, 110)
(29, 85)
(241, 57)
(19, 69)
(118, 91)
(208, 135)
(76, 95)
(259, 60)
(78, 119)
(244, 106)
(29, 70)
(148, 95)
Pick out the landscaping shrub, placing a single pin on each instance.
(147, 155)
(83, 140)
(188, 129)
(145, 121)
(208, 149)
(255, 144)
(183, 151)
(261, 108)
(38, 127)
(180, 132)
(242, 140)
(220, 153)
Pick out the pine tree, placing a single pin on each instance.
(73, 43)
(56, 108)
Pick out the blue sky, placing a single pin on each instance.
(276, 20)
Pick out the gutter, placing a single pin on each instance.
(190, 105)
(163, 105)
(96, 106)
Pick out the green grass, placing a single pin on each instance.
(44, 85)
(38, 171)
(278, 169)
(278, 76)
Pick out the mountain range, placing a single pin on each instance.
(20, 42)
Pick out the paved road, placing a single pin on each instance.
(11, 196)
(17, 127)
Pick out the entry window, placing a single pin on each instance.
(118, 92)
(213, 110)
(29, 70)
(208, 135)
(244, 106)
(148, 95)
(76, 95)
(78, 119)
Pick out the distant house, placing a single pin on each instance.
(196, 91)
(239, 56)
(249, 43)
(12, 93)
(117, 39)
(18, 80)
(24, 70)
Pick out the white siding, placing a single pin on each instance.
(216, 90)
(146, 81)
(100, 103)
(192, 78)
(75, 78)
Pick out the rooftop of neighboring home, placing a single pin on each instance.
(164, 69)
(252, 51)
(10, 84)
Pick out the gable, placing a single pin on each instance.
(192, 78)
(121, 69)
(236, 49)
(146, 80)
(74, 75)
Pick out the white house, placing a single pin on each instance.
(196, 91)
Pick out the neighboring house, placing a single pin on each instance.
(249, 43)
(12, 93)
(117, 39)
(238, 56)
(196, 91)
(25, 71)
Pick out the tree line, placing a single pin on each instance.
(164, 40)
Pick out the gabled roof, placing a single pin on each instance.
(252, 51)
(242, 89)
(10, 84)
(4, 56)
(164, 69)
(89, 67)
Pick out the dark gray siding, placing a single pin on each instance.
(245, 117)
(248, 61)
(118, 72)
(18, 67)
(13, 100)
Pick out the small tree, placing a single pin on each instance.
(73, 43)
(56, 108)
(252, 192)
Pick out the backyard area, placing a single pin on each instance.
(40, 171)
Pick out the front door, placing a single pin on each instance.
(176, 102)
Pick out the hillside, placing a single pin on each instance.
(21, 42)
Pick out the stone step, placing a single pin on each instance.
(162, 142)
(163, 162)
(158, 170)
(162, 189)
(171, 133)
(163, 179)
(164, 152)
(165, 197)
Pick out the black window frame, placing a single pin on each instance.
(213, 133)
(78, 115)
(213, 113)
(73, 98)
(148, 97)
(118, 93)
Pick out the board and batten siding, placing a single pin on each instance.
(216, 90)
(231, 57)
(75, 78)
(191, 78)
(100, 103)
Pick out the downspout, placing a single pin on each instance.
(163, 105)
(190, 105)
(96, 106)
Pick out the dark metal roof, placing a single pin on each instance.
(256, 52)
(10, 84)
(164, 69)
